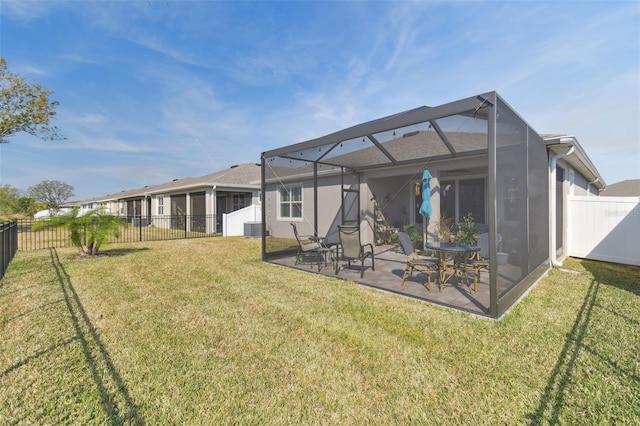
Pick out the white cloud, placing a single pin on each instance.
(213, 83)
(26, 10)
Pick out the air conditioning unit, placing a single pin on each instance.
(253, 229)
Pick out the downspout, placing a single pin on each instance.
(591, 183)
(552, 169)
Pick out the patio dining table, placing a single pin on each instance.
(460, 254)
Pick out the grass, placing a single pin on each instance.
(203, 332)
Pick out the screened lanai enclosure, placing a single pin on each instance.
(486, 163)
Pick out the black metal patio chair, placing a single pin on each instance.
(310, 245)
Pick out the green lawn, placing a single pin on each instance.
(202, 332)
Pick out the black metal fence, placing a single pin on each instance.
(8, 244)
(139, 228)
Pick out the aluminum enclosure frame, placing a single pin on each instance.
(509, 138)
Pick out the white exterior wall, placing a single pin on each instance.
(604, 228)
(233, 223)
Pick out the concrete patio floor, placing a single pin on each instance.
(390, 264)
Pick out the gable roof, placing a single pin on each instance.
(625, 188)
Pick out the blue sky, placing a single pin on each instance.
(150, 91)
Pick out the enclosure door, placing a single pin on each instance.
(350, 200)
(221, 208)
(198, 211)
(148, 206)
(178, 211)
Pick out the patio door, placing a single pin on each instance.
(461, 197)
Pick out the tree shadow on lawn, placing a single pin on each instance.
(553, 398)
(117, 403)
(624, 277)
(123, 251)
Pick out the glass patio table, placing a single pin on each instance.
(460, 254)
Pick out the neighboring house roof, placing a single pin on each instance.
(626, 188)
(127, 193)
(239, 176)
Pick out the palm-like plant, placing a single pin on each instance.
(468, 230)
(91, 229)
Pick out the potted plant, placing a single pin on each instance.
(445, 228)
(415, 233)
(468, 230)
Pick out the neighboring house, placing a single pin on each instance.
(47, 213)
(127, 203)
(211, 195)
(197, 203)
(626, 188)
(484, 160)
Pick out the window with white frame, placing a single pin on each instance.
(290, 202)
(160, 207)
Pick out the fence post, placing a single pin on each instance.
(3, 248)
(8, 244)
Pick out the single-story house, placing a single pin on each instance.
(206, 198)
(195, 202)
(484, 159)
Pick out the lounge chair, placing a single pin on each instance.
(351, 248)
(414, 261)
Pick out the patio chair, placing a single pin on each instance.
(414, 261)
(477, 265)
(309, 244)
(351, 248)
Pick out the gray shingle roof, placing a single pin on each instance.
(626, 188)
(242, 175)
(247, 175)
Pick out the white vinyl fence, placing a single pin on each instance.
(604, 228)
(233, 223)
